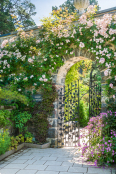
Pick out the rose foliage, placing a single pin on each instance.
(29, 62)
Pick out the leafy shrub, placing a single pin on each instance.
(28, 135)
(13, 95)
(29, 140)
(41, 125)
(15, 141)
(41, 112)
(20, 119)
(4, 142)
(110, 122)
(4, 118)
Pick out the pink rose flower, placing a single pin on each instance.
(102, 60)
(106, 73)
(81, 45)
(4, 43)
(83, 19)
(37, 41)
(111, 85)
(89, 23)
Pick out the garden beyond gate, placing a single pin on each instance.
(68, 128)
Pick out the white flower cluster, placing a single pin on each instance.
(30, 60)
(31, 76)
(82, 45)
(23, 58)
(43, 78)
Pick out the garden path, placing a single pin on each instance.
(49, 161)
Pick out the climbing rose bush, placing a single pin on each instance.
(39, 57)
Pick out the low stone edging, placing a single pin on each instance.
(44, 146)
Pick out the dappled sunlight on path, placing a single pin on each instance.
(49, 161)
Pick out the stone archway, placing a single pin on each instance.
(65, 68)
(59, 80)
(69, 61)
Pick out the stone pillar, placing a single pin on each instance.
(52, 131)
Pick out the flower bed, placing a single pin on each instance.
(101, 147)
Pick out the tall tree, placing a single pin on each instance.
(6, 21)
(70, 7)
(22, 10)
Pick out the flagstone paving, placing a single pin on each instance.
(49, 161)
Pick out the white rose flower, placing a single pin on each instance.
(19, 89)
(30, 60)
(81, 45)
(41, 79)
(45, 80)
(43, 76)
(31, 76)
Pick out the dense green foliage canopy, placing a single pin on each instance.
(15, 13)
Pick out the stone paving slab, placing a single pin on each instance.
(8, 171)
(77, 165)
(57, 168)
(60, 155)
(10, 159)
(47, 172)
(3, 165)
(6, 162)
(77, 169)
(53, 163)
(39, 162)
(67, 164)
(41, 154)
(36, 167)
(69, 173)
(18, 161)
(27, 172)
(26, 154)
(98, 170)
(64, 159)
(25, 157)
(15, 166)
(48, 158)
(30, 161)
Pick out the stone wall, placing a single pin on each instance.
(59, 79)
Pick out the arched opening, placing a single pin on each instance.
(80, 72)
(77, 92)
(59, 79)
